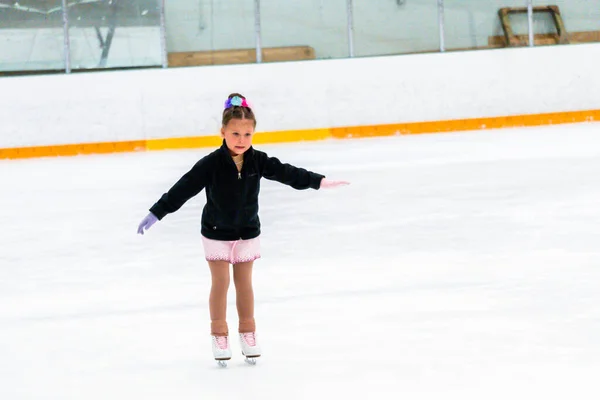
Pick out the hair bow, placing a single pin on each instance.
(236, 101)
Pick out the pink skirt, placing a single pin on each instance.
(234, 251)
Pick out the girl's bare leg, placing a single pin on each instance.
(242, 278)
(217, 301)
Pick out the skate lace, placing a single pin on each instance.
(249, 338)
(221, 342)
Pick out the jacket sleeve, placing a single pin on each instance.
(298, 178)
(188, 186)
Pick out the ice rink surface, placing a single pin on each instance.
(456, 266)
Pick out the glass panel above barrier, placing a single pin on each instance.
(484, 24)
(395, 27)
(476, 24)
(210, 32)
(580, 21)
(304, 30)
(115, 33)
(31, 36)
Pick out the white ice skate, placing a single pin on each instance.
(250, 347)
(221, 349)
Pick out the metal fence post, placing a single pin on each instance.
(530, 23)
(67, 39)
(441, 25)
(350, 27)
(163, 35)
(257, 31)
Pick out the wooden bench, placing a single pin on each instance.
(240, 56)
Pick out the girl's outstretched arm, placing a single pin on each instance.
(188, 186)
(298, 178)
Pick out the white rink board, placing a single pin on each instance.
(150, 104)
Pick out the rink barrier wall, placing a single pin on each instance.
(181, 108)
(412, 128)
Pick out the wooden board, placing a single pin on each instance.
(240, 56)
(548, 38)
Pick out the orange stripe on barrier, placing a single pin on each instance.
(410, 128)
(259, 138)
(183, 143)
(291, 136)
(72, 149)
(466, 124)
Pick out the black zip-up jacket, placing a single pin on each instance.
(231, 210)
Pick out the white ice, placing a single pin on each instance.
(456, 266)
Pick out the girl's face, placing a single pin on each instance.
(238, 135)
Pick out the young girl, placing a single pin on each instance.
(230, 223)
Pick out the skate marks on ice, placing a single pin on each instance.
(102, 313)
(95, 313)
(404, 287)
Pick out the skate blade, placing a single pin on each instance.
(222, 363)
(251, 360)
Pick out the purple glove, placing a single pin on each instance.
(146, 223)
